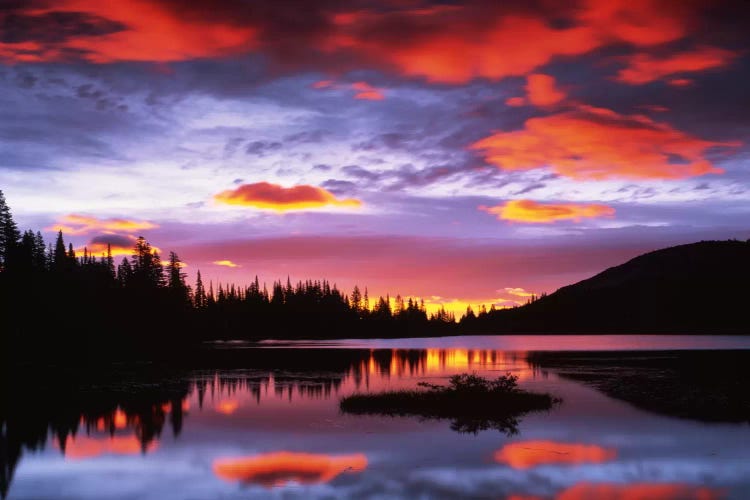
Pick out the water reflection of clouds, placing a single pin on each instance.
(527, 454)
(557, 484)
(280, 468)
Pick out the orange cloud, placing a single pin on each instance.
(542, 90)
(645, 68)
(367, 92)
(225, 263)
(82, 447)
(515, 101)
(597, 143)
(150, 32)
(84, 224)
(639, 491)
(535, 212)
(527, 454)
(269, 196)
(119, 245)
(323, 84)
(280, 468)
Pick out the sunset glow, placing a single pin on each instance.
(355, 142)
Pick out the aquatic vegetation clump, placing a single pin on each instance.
(471, 402)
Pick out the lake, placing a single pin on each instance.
(270, 427)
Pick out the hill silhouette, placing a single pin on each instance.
(696, 288)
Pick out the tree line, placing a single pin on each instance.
(66, 303)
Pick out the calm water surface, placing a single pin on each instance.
(276, 432)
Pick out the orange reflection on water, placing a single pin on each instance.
(439, 360)
(118, 421)
(638, 491)
(82, 447)
(527, 454)
(280, 468)
(227, 407)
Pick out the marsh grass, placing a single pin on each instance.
(472, 403)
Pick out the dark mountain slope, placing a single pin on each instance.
(697, 288)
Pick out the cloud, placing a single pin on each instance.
(542, 90)
(118, 244)
(515, 102)
(75, 224)
(597, 143)
(136, 30)
(517, 291)
(362, 90)
(680, 82)
(458, 43)
(452, 43)
(279, 468)
(262, 148)
(269, 196)
(644, 68)
(534, 212)
(367, 92)
(225, 263)
(527, 454)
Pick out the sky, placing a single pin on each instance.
(465, 152)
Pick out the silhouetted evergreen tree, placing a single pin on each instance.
(199, 299)
(176, 279)
(9, 234)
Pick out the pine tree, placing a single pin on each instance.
(176, 278)
(356, 299)
(110, 262)
(9, 234)
(60, 258)
(124, 273)
(200, 292)
(40, 258)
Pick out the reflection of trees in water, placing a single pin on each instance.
(34, 409)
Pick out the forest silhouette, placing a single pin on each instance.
(60, 307)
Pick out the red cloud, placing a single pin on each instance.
(363, 90)
(542, 90)
(150, 32)
(515, 101)
(84, 224)
(527, 454)
(274, 197)
(639, 491)
(280, 468)
(680, 82)
(367, 92)
(644, 68)
(454, 44)
(444, 43)
(535, 212)
(597, 143)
